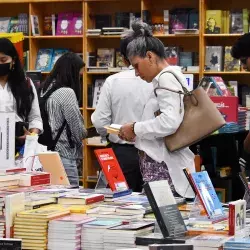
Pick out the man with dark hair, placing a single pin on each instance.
(241, 51)
(122, 100)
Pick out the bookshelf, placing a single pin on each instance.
(89, 43)
(194, 43)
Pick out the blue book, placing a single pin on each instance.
(56, 55)
(44, 59)
(207, 195)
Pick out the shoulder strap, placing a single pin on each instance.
(185, 91)
(58, 135)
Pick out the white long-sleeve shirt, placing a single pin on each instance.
(122, 100)
(8, 104)
(151, 130)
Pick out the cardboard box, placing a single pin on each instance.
(7, 140)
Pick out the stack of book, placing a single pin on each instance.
(32, 225)
(65, 232)
(124, 235)
(92, 233)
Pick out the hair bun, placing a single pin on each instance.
(141, 29)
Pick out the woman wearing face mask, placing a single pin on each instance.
(17, 93)
(62, 105)
(147, 54)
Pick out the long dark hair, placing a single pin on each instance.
(19, 85)
(65, 73)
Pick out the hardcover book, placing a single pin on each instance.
(165, 208)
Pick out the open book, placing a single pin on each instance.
(113, 128)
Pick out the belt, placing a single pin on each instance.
(121, 145)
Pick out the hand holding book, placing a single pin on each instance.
(125, 132)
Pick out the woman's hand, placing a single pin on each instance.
(32, 131)
(23, 137)
(126, 132)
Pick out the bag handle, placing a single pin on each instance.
(185, 91)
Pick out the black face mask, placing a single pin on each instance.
(4, 69)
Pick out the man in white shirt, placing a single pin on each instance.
(122, 100)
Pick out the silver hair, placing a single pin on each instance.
(142, 40)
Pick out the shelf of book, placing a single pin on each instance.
(56, 37)
(92, 13)
(222, 35)
(226, 73)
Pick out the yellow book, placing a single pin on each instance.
(44, 213)
(113, 129)
(27, 237)
(213, 23)
(30, 229)
(79, 209)
(31, 223)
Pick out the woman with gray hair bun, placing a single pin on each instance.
(147, 55)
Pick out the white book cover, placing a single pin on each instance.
(35, 25)
(97, 91)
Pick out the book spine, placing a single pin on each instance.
(122, 193)
(231, 219)
(94, 199)
(156, 210)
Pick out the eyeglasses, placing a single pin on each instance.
(243, 60)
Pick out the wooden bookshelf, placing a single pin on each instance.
(194, 42)
(88, 43)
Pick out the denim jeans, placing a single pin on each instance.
(71, 170)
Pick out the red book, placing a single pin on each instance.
(228, 106)
(111, 169)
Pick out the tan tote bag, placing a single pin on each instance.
(201, 118)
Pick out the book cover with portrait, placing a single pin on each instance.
(237, 217)
(213, 22)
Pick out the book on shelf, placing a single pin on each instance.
(63, 27)
(214, 58)
(105, 57)
(35, 25)
(97, 91)
(213, 22)
(186, 31)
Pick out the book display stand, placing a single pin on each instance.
(101, 182)
(198, 213)
(246, 196)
